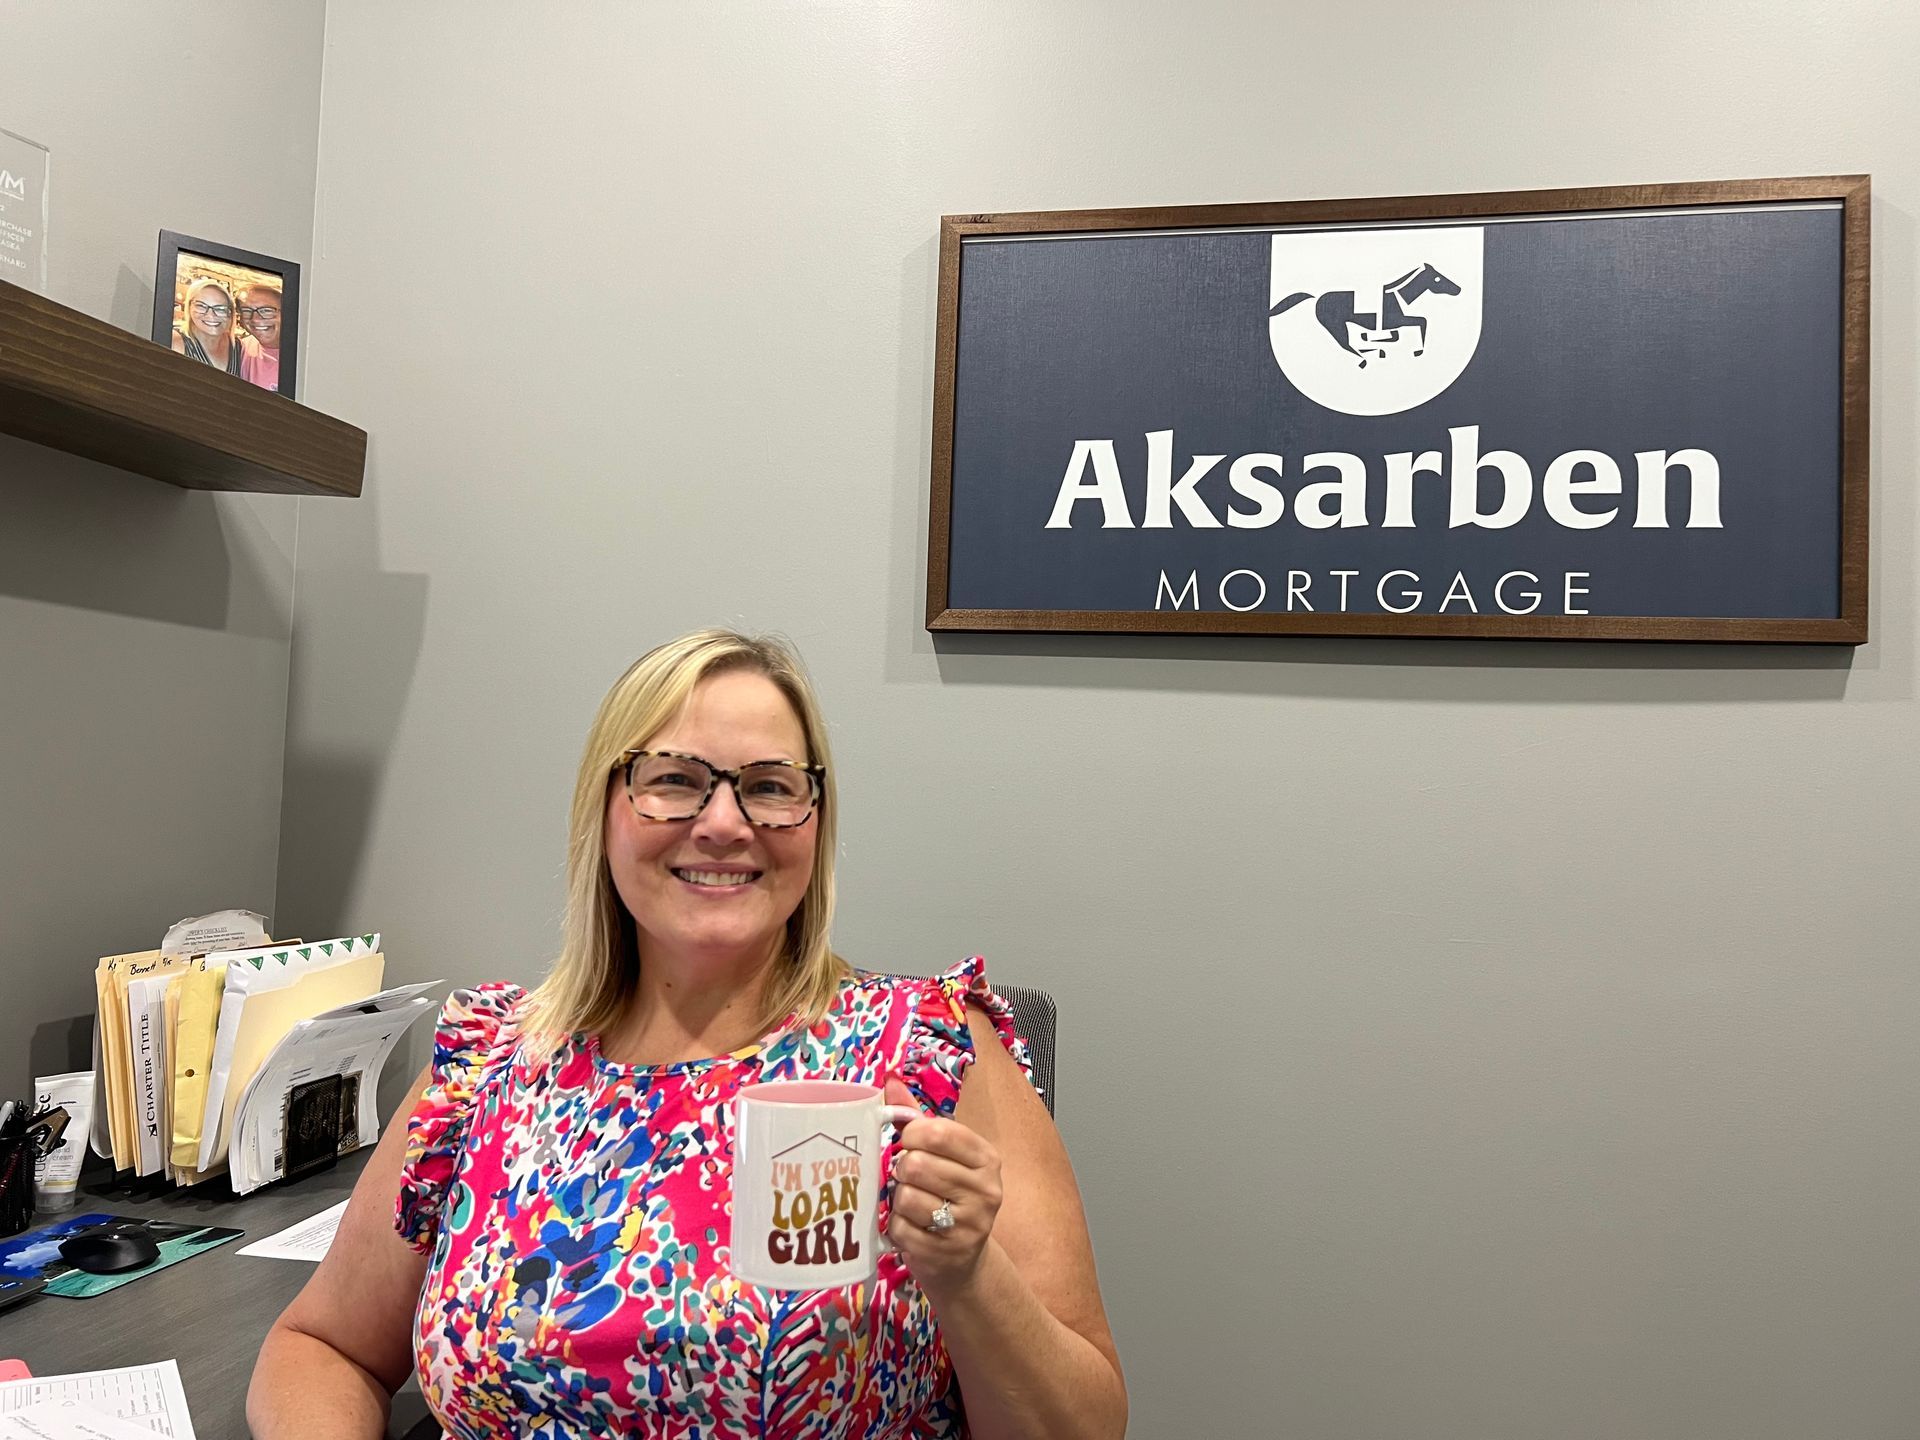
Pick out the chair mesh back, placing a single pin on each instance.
(1034, 1016)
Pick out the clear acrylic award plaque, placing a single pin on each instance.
(23, 212)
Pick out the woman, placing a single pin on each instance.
(208, 336)
(562, 1182)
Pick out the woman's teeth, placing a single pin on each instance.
(717, 877)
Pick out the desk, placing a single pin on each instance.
(209, 1313)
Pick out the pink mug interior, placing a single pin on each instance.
(809, 1092)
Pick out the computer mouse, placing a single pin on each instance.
(109, 1252)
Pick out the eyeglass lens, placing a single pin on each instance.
(666, 787)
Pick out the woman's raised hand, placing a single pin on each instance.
(941, 1169)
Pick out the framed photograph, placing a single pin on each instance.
(1626, 413)
(232, 309)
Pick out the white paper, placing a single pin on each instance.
(222, 930)
(257, 1153)
(70, 1422)
(147, 1038)
(98, 1135)
(148, 1395)
(308, 1240)
(346, 1040)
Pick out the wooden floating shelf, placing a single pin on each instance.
(74, 383)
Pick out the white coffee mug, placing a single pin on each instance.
(806, 1182)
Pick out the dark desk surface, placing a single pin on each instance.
(209, 1313)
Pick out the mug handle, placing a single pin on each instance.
(898, 1116)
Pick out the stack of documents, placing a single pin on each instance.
(351, 1040)
(195, 1054)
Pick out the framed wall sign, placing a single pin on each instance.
(1631, 413)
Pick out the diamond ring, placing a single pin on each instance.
(942, 1218)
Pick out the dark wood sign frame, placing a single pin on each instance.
(1853, 192)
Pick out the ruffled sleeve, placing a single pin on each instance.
(478, 1028)
(939, 1044)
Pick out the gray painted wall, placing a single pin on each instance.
(1508, 1041)
(143, 629)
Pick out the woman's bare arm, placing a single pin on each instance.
(1028, 1334)
(335, 1356)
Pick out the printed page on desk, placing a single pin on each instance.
(69, 1422)
(148, 1395)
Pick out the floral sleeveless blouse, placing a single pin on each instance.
(574, 1212)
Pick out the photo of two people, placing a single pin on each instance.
(230, 309)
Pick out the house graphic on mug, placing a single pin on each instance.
(816, 1202)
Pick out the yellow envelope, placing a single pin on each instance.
(198, 995)
(172, 1028)
(103, 1072)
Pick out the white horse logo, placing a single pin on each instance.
(1395, 315)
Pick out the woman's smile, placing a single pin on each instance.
(717, 882)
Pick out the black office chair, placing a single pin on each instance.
(1035, 1017)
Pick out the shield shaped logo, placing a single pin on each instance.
(1373, 322)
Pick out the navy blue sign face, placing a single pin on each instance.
(1617, 414)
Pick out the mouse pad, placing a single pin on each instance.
(36, 1253)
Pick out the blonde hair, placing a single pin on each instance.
(597, 972)
(206, 282)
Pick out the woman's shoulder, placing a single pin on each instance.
(478, 1027)
(476, 1023)
(867, 992)
(928, 1015)
(490, 1004)
(944, 990)
(878, 1006)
